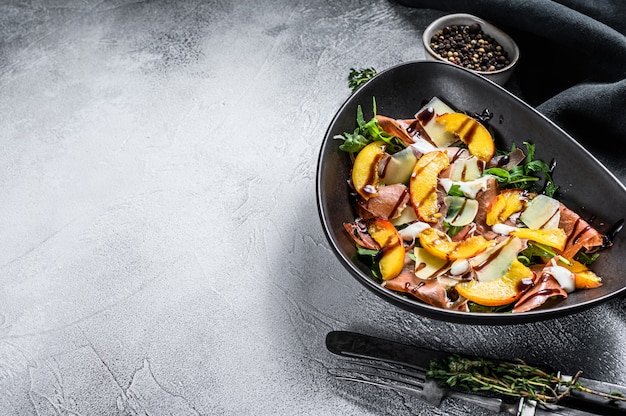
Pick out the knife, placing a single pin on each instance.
(351, 344)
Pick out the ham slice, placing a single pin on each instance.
(393, 127)
(405, 130)
(507, 162)
(545, 287)
(485, 198)
(428, 291)
(579, 233)
(389, 203)
(358, 233)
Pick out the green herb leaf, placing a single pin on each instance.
(455, 190)
(353, 142)
(526, 176)
(586, 258)
(508, 378)
(369, 256)
(367, 132)
(357, 78)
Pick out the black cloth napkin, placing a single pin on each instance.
(572, 64)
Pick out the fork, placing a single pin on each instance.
(412, 380)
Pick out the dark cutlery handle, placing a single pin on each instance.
(561, 411)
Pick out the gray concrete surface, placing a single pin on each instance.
(161, 252)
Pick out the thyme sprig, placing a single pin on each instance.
(356, 78)
(516, 379)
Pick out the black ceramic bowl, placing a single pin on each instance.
(585, 184)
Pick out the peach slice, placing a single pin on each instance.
(365, 176)
(554, 237)
(507, 203)
(498, 292)
(423, 185)
(587, 280)
(471, 132)
(439, 244)
(385, 234)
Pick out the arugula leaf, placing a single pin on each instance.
(526, 176)
(367, 132)
(362, 251)
(370, 257)
(453, 229)
(353, 142)
(534, 252)
(586, 258)
(455, 190)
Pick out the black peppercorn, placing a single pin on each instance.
(470, 47)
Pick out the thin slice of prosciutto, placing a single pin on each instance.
(579, 233)
(545, 287)
(429, 291)
(389, 203)
(358, 233)
(405, 130)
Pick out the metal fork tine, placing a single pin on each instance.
(399, 363)
(390, 386)
(390, 376)
(417, 377)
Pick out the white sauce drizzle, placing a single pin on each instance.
(503, 229)
(459, 267)
(563, 276)
(469, 188)
(412, 231)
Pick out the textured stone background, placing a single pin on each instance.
(161, 251)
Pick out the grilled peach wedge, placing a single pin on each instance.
(471, 132)
(507, 203)
(365, 176)
(439, 244)
(553, 237)
(385, 234)
(423, 185)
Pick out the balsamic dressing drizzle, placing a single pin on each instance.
(485, 116)
(609, 237)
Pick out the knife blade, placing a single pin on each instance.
(352, 344)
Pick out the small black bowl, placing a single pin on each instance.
(585, 184)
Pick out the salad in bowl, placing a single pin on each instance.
(436, 190)
(446, 217)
